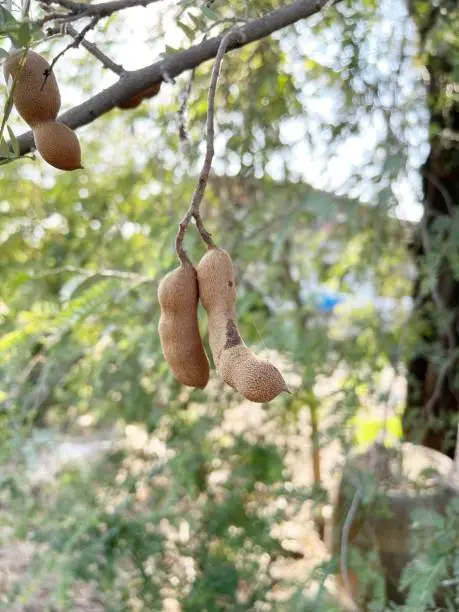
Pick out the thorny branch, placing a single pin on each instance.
(193, 210)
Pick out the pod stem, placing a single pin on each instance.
(198, 194)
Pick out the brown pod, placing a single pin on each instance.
(152, 91)
(36, 93)
(58, 145)
(131, 103)
(179, 328)
(134, 102)
(256, 379)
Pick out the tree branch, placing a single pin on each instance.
(133, 82)
(96, 52)
(79, 10)
(193, 210)
(77, 40)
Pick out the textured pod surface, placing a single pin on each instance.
(255, 379)
(217, 285)
(35, 96)
(217, 292)
(179, 328)
(58, 145)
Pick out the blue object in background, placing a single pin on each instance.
(326, 302)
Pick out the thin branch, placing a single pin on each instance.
(183, 133)
(450, 582)
(67, 4)
(133, 82)
(345, 541)
(78, 39)
(193, 210)
(441, 188)
(25, 9)
(456, 453)
(104, 273)
(80, 10)
(96, 52)
(433, 399)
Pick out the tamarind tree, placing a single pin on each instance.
(291, 135)
(175, 62)
(433, 383)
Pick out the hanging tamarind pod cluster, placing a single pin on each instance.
(37, 99)
(213, 284)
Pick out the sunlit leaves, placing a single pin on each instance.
(209, 12)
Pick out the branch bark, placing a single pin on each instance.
(133, 82)
(96, 52)
(79, 10)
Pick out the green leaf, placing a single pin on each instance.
(189, 33)
(5, 17)
(23, 34)
(14, 142)
(209, 13)
(197, 21)
(170, 50)
(4, 149)
(6, 112)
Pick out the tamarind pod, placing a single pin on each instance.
(36, 93)
(134, 102)
(256, 379)
(58, 145)
(131, 103)
(179, 328)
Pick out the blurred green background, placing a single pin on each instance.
(119, 488)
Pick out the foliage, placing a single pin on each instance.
(185, 505)
(435, 562)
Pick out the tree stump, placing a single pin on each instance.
(378, 491)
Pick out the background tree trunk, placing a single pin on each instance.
(432, 405)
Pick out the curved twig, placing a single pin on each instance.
(193, 210)
(96, 52)
(77, 40)
(345, 542)
(80, 10)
